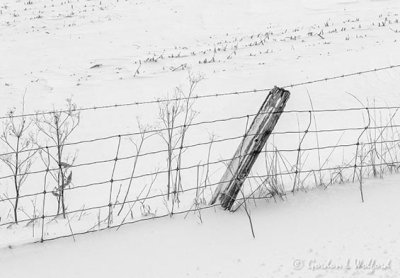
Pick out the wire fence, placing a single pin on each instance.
(158, 172)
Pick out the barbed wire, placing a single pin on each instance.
(228, 119)
(218, 161)
(113, 159)
(158, 101)
(163, 195)
(197, 209)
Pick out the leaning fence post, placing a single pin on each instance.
(252, 144)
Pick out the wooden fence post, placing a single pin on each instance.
(250, 147)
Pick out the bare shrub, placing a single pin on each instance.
(19, 144)
(57, 128)
(176, 115)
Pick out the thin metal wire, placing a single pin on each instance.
(219, 161)
(91, 163)
(157, 101)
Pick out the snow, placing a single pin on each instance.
(314, 226)
(48, 50)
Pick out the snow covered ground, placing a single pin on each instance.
(329, 229)
(106, 52)
(48, 47)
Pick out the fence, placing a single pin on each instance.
(48, 191)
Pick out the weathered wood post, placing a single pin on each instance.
(250, 147)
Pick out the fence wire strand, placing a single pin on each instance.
(46, 219)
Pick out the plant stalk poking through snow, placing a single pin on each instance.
(361, 174)
(19, 160)
(58, 127)
(176, 116)
(138, 149)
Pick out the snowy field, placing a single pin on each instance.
(114, 52)
(321, 233)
